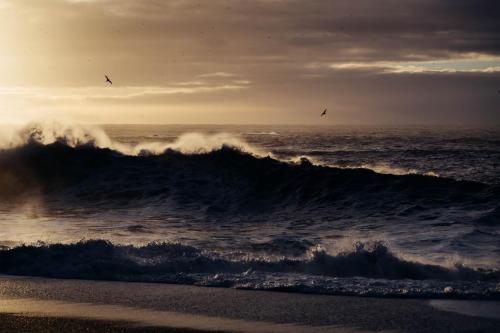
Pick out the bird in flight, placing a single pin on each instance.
(108, 80)
(323, 113)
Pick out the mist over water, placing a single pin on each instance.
(311, 209)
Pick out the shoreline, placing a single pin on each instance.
(150, 307)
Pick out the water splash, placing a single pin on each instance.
(74, 135)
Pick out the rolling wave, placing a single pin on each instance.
(364, 265)
(222, 180)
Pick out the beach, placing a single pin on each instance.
(27, 324)
(48, 305)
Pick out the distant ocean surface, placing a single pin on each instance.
(378, 211)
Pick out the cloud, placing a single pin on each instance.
(217, 74)
(479, 65)
(242, 82)
(370, 60)
(89, 93)
(273, 32)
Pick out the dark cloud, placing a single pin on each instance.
(283, 47)
(385, 29)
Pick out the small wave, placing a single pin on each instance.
(491, 218)
(137, 228)
(166, 262)
(273, 133)
(294, 247)
(387, 169)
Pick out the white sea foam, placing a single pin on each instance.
(75, 134)
(387, 169)
(72, 134)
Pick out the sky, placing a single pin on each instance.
(261, 61)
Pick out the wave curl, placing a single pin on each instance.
(220, 177)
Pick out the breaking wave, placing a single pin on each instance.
(215, 173)
(77, 135)
(319, 271)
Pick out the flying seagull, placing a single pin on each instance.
(323, 113)
(108, 80)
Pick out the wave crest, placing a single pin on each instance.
(226, 179)
(167, 262)
(77, 135)
(103, 259)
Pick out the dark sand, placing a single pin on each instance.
(10, 323)
(100, 306)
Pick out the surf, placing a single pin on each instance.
(365, 270)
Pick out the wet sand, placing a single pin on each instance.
(14, 323)
(52, 305)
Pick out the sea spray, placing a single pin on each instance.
(75, 135)
(361, 271)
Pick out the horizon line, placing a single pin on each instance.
(473, 125)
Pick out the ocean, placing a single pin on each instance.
(371, 211)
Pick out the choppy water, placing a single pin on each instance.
(370, 211)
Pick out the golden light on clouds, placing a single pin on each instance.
(241, 61)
